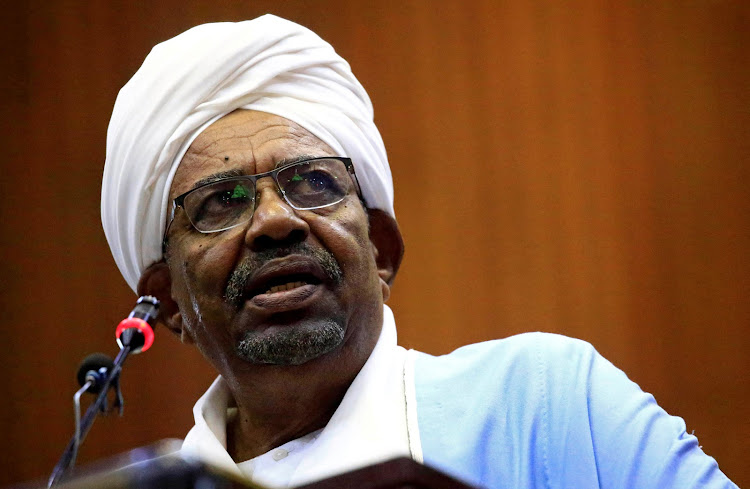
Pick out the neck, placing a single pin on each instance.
(261, 426)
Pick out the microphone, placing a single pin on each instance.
(94, 370)
(93, 374)
(134, 335)
(135, 331)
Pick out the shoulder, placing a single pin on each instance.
(527, 377)
(499, 397)
(566, 412)
(514, 356)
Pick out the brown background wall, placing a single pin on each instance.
(573, 167)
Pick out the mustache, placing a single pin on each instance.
(244, 272)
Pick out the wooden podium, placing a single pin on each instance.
(161, 467)
(399, 473)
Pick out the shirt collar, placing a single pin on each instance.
(369, 425)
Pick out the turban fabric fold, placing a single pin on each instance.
(186, 83)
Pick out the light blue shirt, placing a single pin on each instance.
(546, 411)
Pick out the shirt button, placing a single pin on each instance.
(279, 454)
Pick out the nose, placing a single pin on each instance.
(275, 223)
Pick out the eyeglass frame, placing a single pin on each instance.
(178, 202)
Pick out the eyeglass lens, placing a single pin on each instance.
(306, 185)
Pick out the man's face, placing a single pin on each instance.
(287, 288)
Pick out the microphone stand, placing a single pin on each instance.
(66, 460)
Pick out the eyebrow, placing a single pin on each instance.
(236, 172)
(218, 176)
(291, 161)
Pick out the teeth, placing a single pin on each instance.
(284, 287)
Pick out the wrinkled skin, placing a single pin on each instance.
(276, 403)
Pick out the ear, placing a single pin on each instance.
(389, 247)
(156, 281)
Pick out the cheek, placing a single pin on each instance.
(199, 272)
(204, 264)
(346, 235)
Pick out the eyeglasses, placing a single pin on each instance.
(228, 202)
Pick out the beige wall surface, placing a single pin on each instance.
(579, 168)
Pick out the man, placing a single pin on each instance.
(247, 187)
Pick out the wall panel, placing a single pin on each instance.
(579, 169)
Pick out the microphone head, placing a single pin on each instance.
(94, 363)
(135, 333)
(136, 330)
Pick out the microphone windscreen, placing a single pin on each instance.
(94, 362)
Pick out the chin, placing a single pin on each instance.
(291, 345)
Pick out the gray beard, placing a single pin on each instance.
(292, 345)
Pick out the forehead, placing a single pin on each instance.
(251, 141)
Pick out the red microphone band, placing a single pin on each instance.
(140, 325)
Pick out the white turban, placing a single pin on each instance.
(186, 83)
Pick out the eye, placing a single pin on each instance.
(313, 181)
(240, 193)
(314, 184)
(215, 205)
(226, 198)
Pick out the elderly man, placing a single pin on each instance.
(247, 187)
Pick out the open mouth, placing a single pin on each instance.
(279, 284)
(285, 283)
